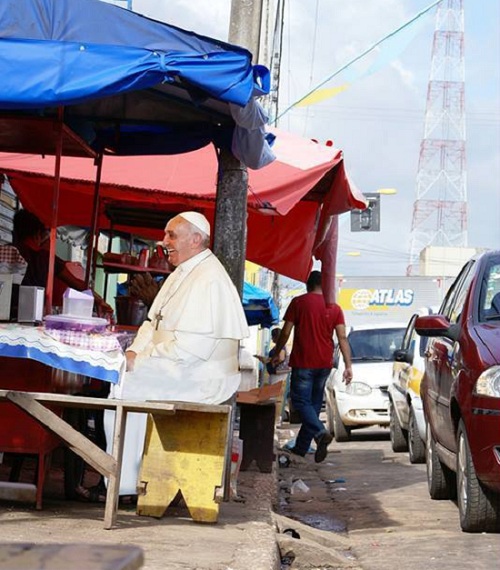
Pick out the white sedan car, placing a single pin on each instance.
(364, 402)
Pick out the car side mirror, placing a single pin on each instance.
(436, 325)
(402, 355)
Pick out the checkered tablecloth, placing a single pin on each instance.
(100, 342)
(24, 341)
(11, 261)
(10, 254)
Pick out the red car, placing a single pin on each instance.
(461, 395)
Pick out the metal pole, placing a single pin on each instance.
(49, 288)
(92, 247)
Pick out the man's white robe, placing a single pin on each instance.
(187, 350)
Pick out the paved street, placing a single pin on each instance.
(379, 501)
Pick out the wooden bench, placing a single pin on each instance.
(185, 449)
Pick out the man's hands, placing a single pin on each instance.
(277, 359)
(347, 375)
(263, 359)
(143, 286)
(130, 355)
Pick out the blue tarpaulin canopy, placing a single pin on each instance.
(128, 84)
(259, 306)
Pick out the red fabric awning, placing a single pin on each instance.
(290, 202)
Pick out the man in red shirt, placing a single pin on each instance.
(311, 360)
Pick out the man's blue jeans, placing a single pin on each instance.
(307, 386)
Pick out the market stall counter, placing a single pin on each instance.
(36, 359)
(98, 356)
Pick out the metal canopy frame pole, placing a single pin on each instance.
(89, 274)
(49, 289)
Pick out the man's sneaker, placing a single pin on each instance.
(322, 444)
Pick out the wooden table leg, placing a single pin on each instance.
(113, 490)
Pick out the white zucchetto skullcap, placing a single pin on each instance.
(197, 220)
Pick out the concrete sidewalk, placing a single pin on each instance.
(244, 537)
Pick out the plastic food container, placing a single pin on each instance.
(79, 324)
(78, 303)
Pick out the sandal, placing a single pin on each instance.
(95, 494)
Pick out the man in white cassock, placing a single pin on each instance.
(188, 348)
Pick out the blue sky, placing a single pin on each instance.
(378, 122)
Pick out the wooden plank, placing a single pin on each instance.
(70, 401)
(23, 556)
(156, 406)
(91, 453)
(264, 395)
(194, 407)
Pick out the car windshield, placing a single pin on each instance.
(490, 293)
(375, 344)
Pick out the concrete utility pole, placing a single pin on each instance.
(230, 232)
(245, 25)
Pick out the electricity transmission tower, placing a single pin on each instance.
(440, 208)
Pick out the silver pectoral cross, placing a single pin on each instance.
(158, 318)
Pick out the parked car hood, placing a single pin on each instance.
(490, 337)
(372, 373)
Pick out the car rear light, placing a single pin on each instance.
(488, 384)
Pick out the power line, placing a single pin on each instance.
(360, 56)
(392, 115)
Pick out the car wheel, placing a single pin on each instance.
(399, 441)
(416, 445)
(479, 508)
(341, 431)
(440, 479)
